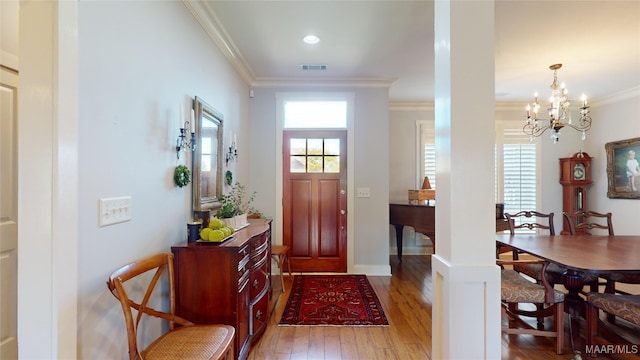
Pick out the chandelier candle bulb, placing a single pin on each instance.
(193, 121)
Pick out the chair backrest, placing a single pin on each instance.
(530, 220)
(159, 263)
(587, 220)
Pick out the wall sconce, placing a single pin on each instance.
(184, 141)
(232, 154)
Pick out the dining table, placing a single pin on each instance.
(580, 254)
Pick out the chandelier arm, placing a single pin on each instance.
(532, 130)
(584, 124)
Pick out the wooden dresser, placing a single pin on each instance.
(227, 283)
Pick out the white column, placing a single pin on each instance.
(466, 281)
(48, 181)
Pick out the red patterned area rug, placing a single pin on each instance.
(342, 300)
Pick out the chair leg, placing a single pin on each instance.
(281, 267)
(540, 319)
(288, 264)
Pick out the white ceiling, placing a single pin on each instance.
(378, 41)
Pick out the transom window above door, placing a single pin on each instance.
(316, 114)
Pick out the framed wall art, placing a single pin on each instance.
(623, 169)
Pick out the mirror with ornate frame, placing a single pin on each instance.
(207, 158)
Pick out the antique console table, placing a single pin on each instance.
(422, 217)
(227, 283)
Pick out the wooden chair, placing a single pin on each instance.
(539, 221)
(626, 307)
(184, 340)
(515, 289)
(585, 221)
(527, 220)
(280, 253)
(532, 220)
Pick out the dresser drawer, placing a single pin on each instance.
(259, 313)
(243, 267)
(259, 251)
(258, 243)
(259, 281)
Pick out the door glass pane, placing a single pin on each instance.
(314, 164)
(298, 164)
(315, 146)
(332, 164)
(332, 146)
(298, 146)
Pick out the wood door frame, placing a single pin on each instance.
(281, 98)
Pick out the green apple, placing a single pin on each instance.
(216, 235)
(205, 233)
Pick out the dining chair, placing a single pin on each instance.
(527, 220)
(183, 340)
(626, 307)
(516, 289)
(534, 220)
(585, 221)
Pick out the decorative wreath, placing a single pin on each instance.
(182, 176)
(229, 177)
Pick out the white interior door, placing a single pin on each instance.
(8, 214)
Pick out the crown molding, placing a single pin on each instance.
(212, 26)
(633, 92)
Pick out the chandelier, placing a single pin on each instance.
(559, 112)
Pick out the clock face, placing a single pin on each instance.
(579, 172)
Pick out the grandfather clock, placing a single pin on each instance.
(575, 176)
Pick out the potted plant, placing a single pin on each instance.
(235, 205)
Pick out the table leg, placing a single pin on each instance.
(399, 240)
(574, 282)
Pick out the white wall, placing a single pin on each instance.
(139, 63)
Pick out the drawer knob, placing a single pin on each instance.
(255, 283)
(258, 314)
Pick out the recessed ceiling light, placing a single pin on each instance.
(311, 39)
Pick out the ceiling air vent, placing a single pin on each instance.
(313, 67)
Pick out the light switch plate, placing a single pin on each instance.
(363, 192)
(114, 210)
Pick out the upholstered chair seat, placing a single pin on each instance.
(516, 289)
(623, 306)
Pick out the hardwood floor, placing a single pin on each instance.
(406, 300)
